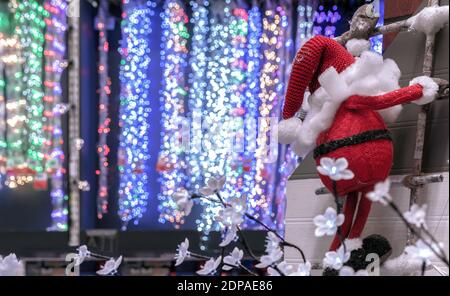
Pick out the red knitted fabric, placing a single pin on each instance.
(371, 161)
(316, 55)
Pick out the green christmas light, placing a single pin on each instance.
(30, 18)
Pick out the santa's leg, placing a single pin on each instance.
(349, 211)
(361, 217)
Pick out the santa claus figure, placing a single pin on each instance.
(351, 100)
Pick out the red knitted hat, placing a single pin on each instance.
(316, 56)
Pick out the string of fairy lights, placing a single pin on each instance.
(216, 111)
(270, 94)
(305, 21)
(197, 90)
(55, 64)
(3, 144)
(174, 57)
(15, 108)
(4, 24)
(134, 109)
(237, 84)
(251, 105)
(104, 128)
(30, 17)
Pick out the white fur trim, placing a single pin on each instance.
(430, 20)
(430, 89)
(368, 76)
(404, 265)
(334, 84)
(357, 46)
(353, 244)
(287, 130)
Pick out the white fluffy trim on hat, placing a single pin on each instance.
(357, 46)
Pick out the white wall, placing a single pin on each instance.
(303, 205)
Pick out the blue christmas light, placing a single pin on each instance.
(305, 23)
(134, 109)
(377, 41)
(325, 21)
(220, 101)
(197, 91)
(252, 104)
(174, 55)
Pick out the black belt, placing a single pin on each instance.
(353, 140)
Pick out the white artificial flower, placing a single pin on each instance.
(210, 266)
(272, 242)
(11, 266)
(183, 252)
(183, 200)
(285, 268)
(336, 259)
(213, 185)
(416, 215)
(348, 271)
(328, 223)
(269, 259)
(381, 193)
(421, 251)
(234, 259)
(233, 214)
(229, 217)
(335, 169)
(83, 253)
(230, 236)
(110, 266)
(304, 269)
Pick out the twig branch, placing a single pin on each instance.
(339, 211)
(417, 234)
(247, 270)
(198, 256)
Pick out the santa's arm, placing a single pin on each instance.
(423, 90)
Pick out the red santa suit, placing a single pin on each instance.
(350, 97)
